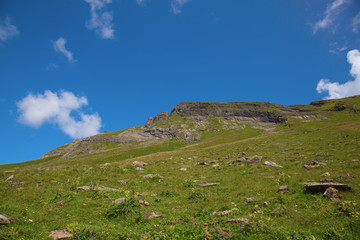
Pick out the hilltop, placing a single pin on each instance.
(203, 171)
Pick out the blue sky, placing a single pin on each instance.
(73, 68)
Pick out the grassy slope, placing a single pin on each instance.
(50, 199)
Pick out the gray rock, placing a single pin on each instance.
(265, 203)
(272, 164)
(252, 160)
(143, 201)
(16, 183)
(119, 200)
(4, 220)
(284, 188)
(139, 164)
(249, 200)
(224, 213)
(139, 169)
(333, 194)
(321, 187)
(314, 164)
(9, 178)
(152, 176)
(87, 188)
(60, 234)
(122, 182)
(183, 169)
(327, 174)
(206, 184)
(238, 220)
(149, 215)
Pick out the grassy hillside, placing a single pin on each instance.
(49, 199)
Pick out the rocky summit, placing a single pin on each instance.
(243, 170)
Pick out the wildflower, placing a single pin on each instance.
(30, 220)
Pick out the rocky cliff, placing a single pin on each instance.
(186, 122)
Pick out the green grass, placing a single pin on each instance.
(49, 199)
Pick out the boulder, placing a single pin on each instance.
(238, 220)
(224, 213)
(9, 178)
(252, 160)
(119, 200)
(122, 182)
(142, 201)
(152, 176)
(333, 194)
(272, 164)
(314, 164)
(321, 187)
(139, 164)
(284, 188)
(149, 215)
(60, 234)
(206, 184)
(4, 220)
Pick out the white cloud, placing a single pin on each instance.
(100, 20)
(177, 5)
(56, 108)
(59, 46)
(356, 23)
(51, 66)
(350, 88)
(332, 10)
(7, 30)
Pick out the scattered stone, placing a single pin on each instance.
(183, 169)
(84, 188)
(284, 188)
(142, 201)
(249, 200)
(213, 162)
(272, 164)
(206, 184)
(87, 188)
(12, 171)
(314, 164)
(325, 180)
(9, 178)
(252, 160)
(333, 194)
(216, 165)
(4, 220)
(60, 234)
(122, 182)
(106, 189)
(105, 165)
(139, 169)
(149, 215)
(327, 174)
(277, 211)
(119, 200)
(139, 164)
(16, 183)
(152, 176)
(147, 194)
(224, 213)
(354, 160)
(238, 220)
(265, 203)
(203, 163)
(321, 187)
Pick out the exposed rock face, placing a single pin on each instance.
(186, 122)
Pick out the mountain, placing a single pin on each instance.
(243, 170)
